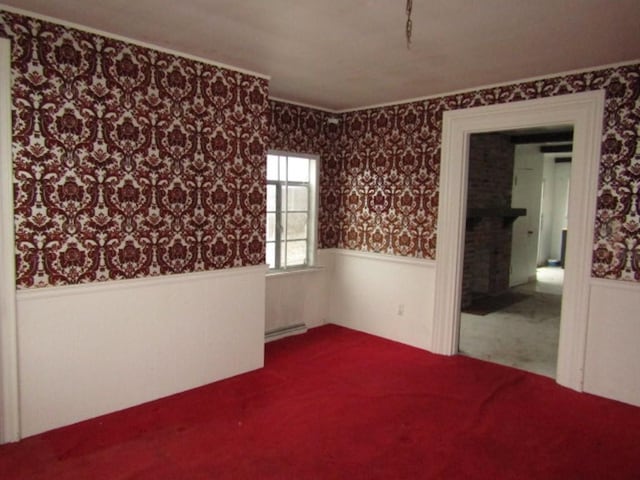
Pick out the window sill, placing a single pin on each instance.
(294, 271)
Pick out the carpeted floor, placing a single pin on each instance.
(338, 404)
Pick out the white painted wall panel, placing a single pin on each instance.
(612, 364)
(384, 295)
(548, 179)
(562, 178)
(92, 349)
(527, 188)
(294, 298)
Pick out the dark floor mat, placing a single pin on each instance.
(490, 304)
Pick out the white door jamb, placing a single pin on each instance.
(585, 112)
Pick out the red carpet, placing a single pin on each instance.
(338, 404)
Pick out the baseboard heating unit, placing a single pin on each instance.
(282, 332)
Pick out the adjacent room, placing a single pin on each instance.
(278, 239)
(515, 245)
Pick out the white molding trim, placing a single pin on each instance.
(616, 284)
(506, 83)
(585, 112)
(131, 41)
(10, 403)
(294, 271)
(384, 257)
(436, 96)
(128, 284)
(302, 104)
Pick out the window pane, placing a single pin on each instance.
(297, 198)
(283, 168)
(283, 198)
(271, 254)
(296, 253)
(272, 167)
(271, 227)
(296, 226)
(271, 198)
(290, 204)
(298, 169)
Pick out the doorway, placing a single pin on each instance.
(9, 401)
(511, 287)
(585, 112)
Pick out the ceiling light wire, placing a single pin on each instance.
(409, 25)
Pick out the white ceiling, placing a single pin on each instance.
(343, 54)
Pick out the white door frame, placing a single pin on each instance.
(9, 399)
(584, 111)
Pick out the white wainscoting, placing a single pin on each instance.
(367, 292)
(91, 349)
(298, 296)
(385, 295)
(612, 363)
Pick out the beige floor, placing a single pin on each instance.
(523, 335)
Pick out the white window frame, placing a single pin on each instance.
(312, 215)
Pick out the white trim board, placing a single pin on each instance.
(166, 280)
(10, 401)
(384, 257)
(585, 112)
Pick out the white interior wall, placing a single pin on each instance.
(557, 179)
(546, 224)
(562, 174)
(527, 167)
(86, 350)
(298, 296)
(385, 295)
(611, 363)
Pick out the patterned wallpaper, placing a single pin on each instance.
(382, 194)
(130, 162)
(305, 130)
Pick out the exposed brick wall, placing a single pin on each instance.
(487, 254)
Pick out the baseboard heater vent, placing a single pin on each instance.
(278, 333)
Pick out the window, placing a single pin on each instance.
(291, 210)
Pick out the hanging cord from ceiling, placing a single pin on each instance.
(409, 25)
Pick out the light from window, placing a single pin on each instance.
(290, 210)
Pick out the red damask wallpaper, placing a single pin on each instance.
(382, 164)
(130, 162)
(305, 130)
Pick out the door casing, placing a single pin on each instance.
(584, 111)
(9, 387)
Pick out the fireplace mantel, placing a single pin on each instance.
(508, 215)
